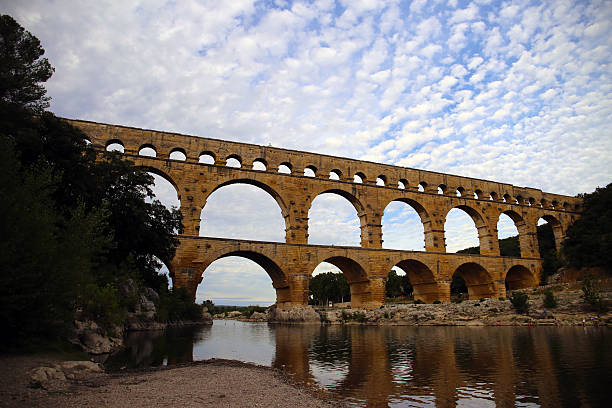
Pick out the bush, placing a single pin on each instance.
(177, 304)
(520, 302)
(549, 299)
(591, 294)
(102, 305)
(436, 302)
(359, 317)
(419, 302)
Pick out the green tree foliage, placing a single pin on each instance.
(588, 240)
(73, 226)
(21, 69)
(549, 299)
(398, 285)
(592, 295)
(520, 301)
(176, 304)
(329, 287)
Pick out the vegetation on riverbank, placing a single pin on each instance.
(75, 225)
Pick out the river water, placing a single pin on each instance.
(405, 366)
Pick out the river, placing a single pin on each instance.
(405, 366)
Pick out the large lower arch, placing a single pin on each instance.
(163, 174)
(478, 280)
(520, 277)
(357, 278)
(422, 279)
(557, 230)
(276, 274)
(250, 215)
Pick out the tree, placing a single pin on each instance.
(329, 286)
(21, 68)
(588, 240)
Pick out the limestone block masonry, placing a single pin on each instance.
(290, 264)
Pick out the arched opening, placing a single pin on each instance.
(442, 189)
(310, 171)
(147, 150)
(359, 178)
(420, 280)
(233, 161)
(478, 194)
(328, 286)
(178, 154)
(163, 273)
(333, 219)
(164, 190)
(402, 225)
(477, 280)
(356, 277)
(402, 184)
(422, 186)
(381, 180)
(206, 158)
(460, 191)
(506, 198)
(492, 196)
(550, 236)
(243, 209)
(460, 232)
(508, 233)
(519, 277)
(243, 278)
(285, 168)
(260, 165)
(335, 174)
(115, 145)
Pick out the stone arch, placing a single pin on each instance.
(175, 154)
(163, 174)
(422, 213)
(207, 157)
(279, 278)
(285, 168)
(521, 228)
(259, 164)
(477, 279)
(233, 157)
(520, 277)
(310, 171)
(557, 228)
(422, 279)
(354, 201)
(484, 234)
(359, 178)
(112, 142)
(356, 277)
(277, 197)
(147, 146)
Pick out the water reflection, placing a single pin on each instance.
(406, 366)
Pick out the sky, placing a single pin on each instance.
(512, 91)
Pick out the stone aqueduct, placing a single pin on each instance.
(291, 264)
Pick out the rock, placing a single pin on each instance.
(41, 377)
(259, 317)
(79, 366)
(235, 313)
(207, 317)
(93, 339)
(294, 314)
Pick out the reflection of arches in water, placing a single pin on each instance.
(478, 281)
(520, 277)
(239, 278)
(423, 281)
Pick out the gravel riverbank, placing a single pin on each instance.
(212, 383)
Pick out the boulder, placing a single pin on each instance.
(95, 340)
(259, 317)
(206, 317)
(294, 314)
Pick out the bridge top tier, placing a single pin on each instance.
(193, 147)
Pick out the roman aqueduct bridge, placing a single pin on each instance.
(304, 176)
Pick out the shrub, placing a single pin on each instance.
(419, 302)
(436, 302)
(101, 304)
(520, 302)
(591, 294)
(359, 317)
(482, 299)
(549, 299)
